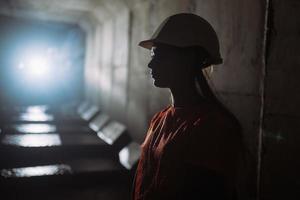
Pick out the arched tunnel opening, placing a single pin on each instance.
(42, 62)
(77, 98)
(57, 139)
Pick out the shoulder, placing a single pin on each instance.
(154, 122)
(214, 142)
(159, 115)
(218, 119)
(217, 128)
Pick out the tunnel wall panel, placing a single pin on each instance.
(280, 158)
(239, 25)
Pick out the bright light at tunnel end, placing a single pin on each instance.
(36, 65)
(42, 67)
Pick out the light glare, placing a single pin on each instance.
(47, 170)
(36, 128)
(38, 65)
(32, 140)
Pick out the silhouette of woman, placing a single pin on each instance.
(192, 147)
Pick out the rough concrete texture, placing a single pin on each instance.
(117, 78)
(144, 99)
(280, 159)
(237, 79)
(236, 82)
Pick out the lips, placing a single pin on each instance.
(153, 75)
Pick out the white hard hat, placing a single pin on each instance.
(186, 30)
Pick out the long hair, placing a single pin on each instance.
(202, 60)
(208, 94)
(247, 160)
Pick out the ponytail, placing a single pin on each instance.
(202, 60)
(246, 169)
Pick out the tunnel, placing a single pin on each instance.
(77, 97)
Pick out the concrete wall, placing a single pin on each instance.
(107, 66)
(280, 158)
(263, 95)
(258, 80)
(238, 81)
(143, 98)
(124, 88)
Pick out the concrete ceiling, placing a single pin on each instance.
(81, 12)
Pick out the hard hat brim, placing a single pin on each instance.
(147, 44)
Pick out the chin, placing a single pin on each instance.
(158, 84)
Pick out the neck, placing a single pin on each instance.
(186, 96)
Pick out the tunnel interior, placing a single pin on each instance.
(76, 97)
(42, 62)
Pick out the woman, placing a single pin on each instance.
(192, 147)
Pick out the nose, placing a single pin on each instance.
(150, 64)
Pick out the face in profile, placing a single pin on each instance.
(170, 66)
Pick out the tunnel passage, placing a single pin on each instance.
(258, 80)
(41, 62)
(51, 132)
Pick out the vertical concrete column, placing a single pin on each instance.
(105, 81)
(120, 64)
(237, 82)
(280, 159)
(88, 65)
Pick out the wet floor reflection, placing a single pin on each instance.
(36, 113)
(36, 128)
(36, 109)
(37, 171)
(32, 140)
(36, 117)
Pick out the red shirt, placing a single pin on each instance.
(188, 153)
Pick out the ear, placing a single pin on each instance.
(207, 62)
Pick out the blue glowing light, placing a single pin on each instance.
(37, 64)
